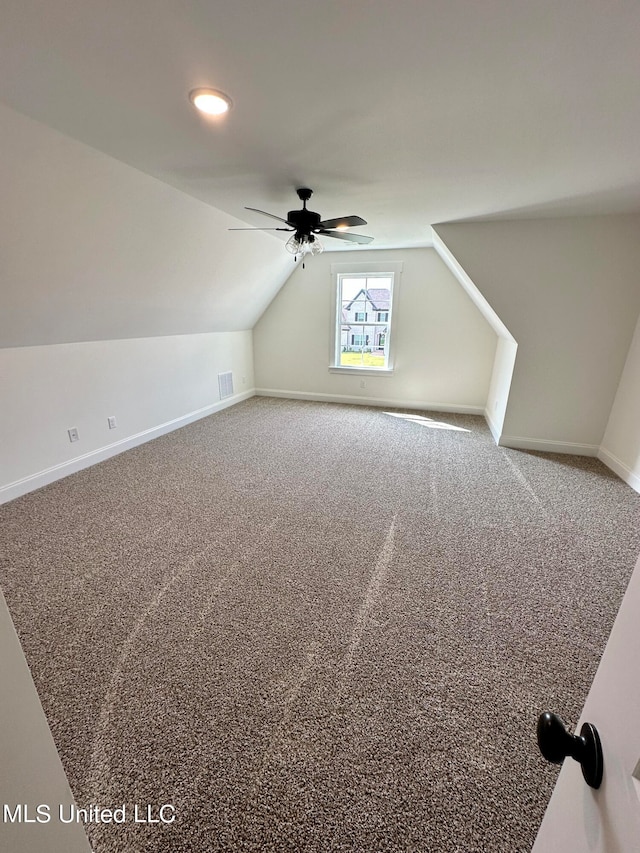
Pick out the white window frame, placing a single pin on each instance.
(390, 269)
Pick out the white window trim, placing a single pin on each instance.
(394, 267)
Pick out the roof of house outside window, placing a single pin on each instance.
(379, 297)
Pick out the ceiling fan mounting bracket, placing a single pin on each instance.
(304, 193)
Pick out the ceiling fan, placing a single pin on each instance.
(306, 225)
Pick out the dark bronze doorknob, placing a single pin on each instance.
(556, 743)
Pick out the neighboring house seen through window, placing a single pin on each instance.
(363, 320)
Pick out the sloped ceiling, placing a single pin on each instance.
(92, 249)
(406, 113)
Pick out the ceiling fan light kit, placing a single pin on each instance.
(300, 244)
(306, 225)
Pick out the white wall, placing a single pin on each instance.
(567, 289)
(506, 348)
(620, 447)
(150, 385)
(444, 347)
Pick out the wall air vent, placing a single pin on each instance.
(225, 384)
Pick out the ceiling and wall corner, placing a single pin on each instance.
(567, 289)
(93, 249)
(504, 361)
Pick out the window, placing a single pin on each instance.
(359, 340)
(364, 296)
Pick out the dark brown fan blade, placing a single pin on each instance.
(344, 235)
(345, 222)
(260, 229)
(264, 213)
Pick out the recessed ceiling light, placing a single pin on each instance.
(210, 101)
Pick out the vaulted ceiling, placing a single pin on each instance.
(406, 113)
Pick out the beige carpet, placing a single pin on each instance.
(312, 627)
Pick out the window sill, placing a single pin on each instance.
(363, 371)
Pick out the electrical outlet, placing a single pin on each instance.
(244, 380)
(363, 384)
(112, 422)
(73, 434)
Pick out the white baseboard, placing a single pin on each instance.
(370, 401)
(618, 467)
(57, 472)
(518, 442)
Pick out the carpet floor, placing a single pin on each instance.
(314, 627)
